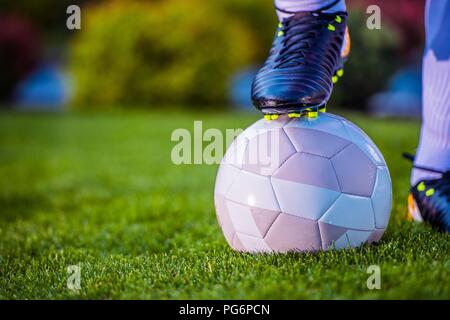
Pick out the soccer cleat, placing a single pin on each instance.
(429, 200)
(310, 113)
(306, 59)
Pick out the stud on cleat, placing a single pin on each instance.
(335, 79)
(429, 192)
(270, 117)
(429, 199)
(340, 72)
(421, 186)
(323, 109)
(294, 115)
(312, 114)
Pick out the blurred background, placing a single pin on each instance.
(86, 120)
(189, 54)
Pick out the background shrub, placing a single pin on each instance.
(174, 51)
(374, 56)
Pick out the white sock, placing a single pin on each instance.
(434, 145)
(307, 5)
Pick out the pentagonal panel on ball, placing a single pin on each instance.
(224, 218)
(253, 244)
(291, 233)
(225, 177)
(356, 173)
(382, 198)
(236, 152)
(303, 200)
(237, 244)
(263, 218)
(351, 238)
(330, 233)
(242, 219)
(350, 212)
(267, 151)
(309, 169)
(316, 142)
(253, 190)
(362, 140)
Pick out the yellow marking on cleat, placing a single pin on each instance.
(335, 79)
(313, 114)
(267, 117)
(280, 33)
(331, 27)
(274, 117)
(323, 109)
(338, 19)
(421, 186)
(429, 192)
(280, 25)
(340, 72)
(294, 115)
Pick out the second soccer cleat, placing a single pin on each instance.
(429, 200)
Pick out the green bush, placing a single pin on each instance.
(260, 17)
(170, 52)
(374, 56)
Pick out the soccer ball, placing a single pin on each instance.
(302, 185)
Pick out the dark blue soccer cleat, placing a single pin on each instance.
(305, 60)
(429, 200)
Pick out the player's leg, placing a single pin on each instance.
(307, 56)
(430, 195)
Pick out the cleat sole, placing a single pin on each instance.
(270, 117)
(292, 113)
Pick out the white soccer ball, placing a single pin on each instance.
(302, 185)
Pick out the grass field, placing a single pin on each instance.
(100, 191)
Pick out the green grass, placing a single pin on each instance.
(100, 191)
